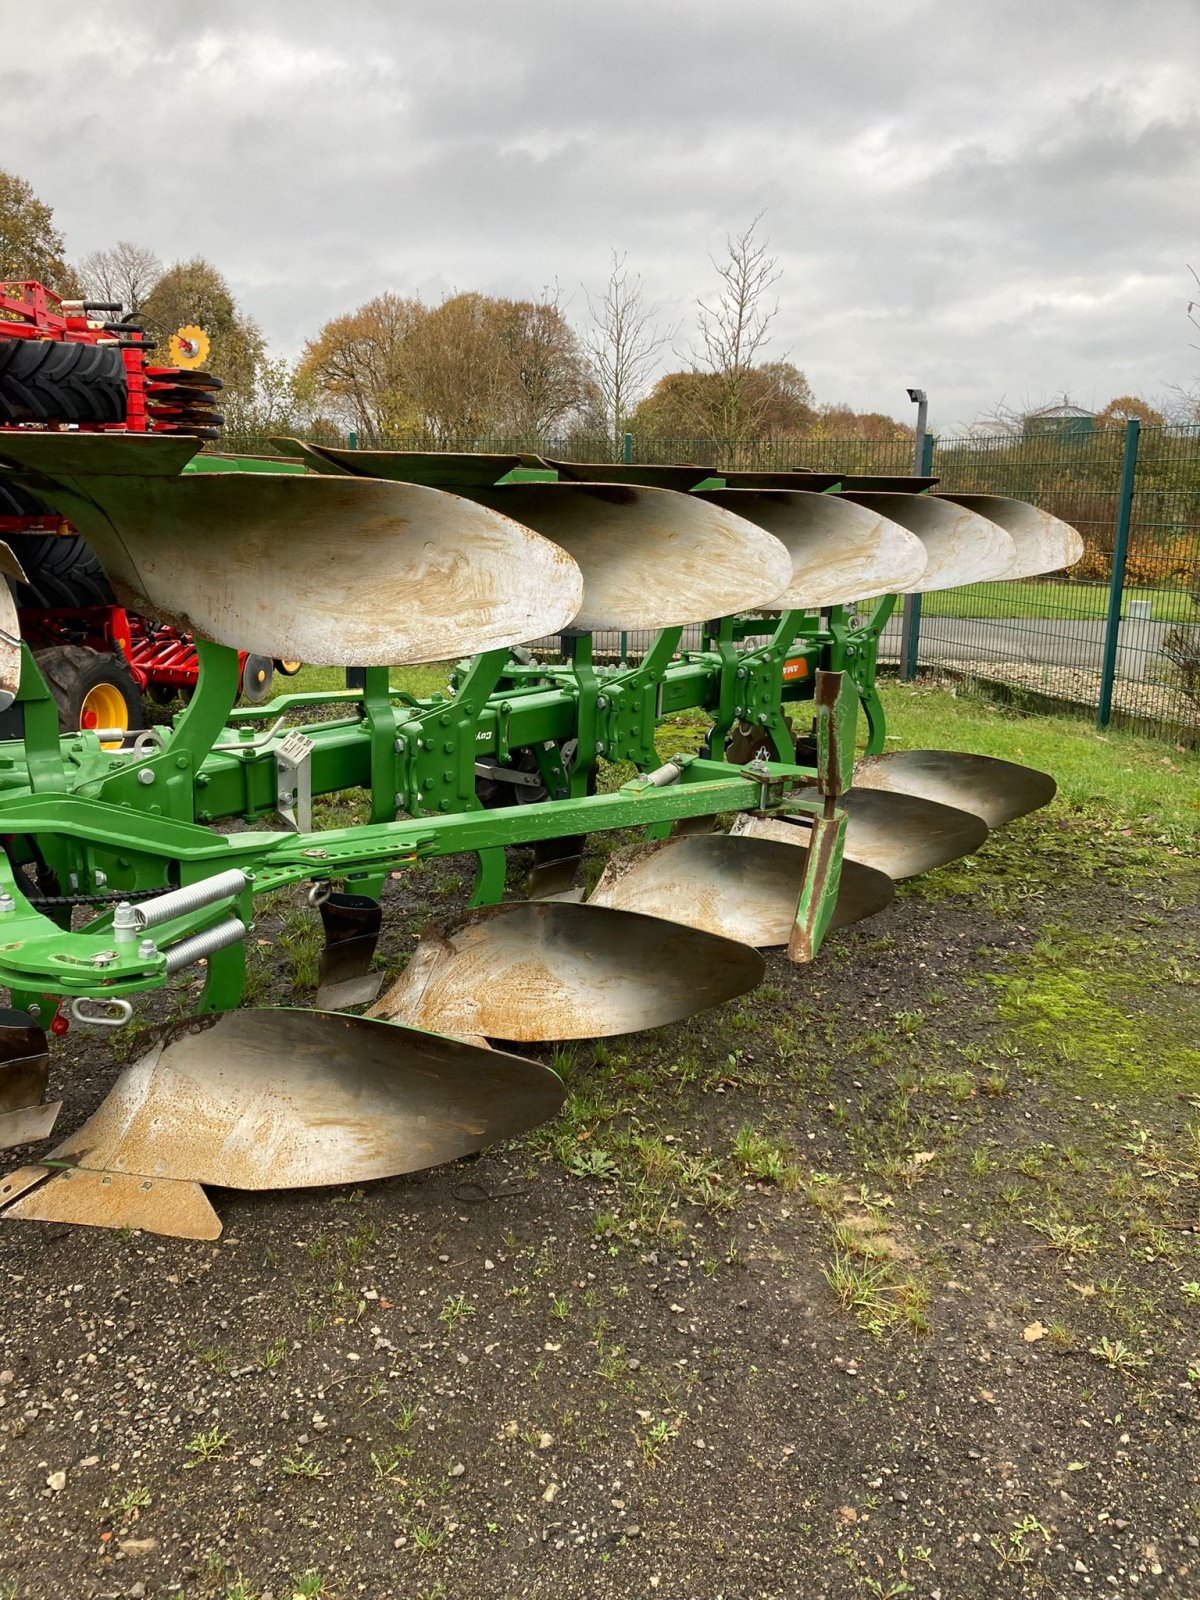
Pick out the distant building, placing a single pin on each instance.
(1062, 421)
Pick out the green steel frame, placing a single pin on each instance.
(100, 823)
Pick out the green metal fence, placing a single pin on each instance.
(1117, 638)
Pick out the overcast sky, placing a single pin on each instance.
(990, 200)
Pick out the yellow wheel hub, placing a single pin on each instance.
(188, 347)
(104, 707)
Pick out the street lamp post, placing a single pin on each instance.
(910, 616)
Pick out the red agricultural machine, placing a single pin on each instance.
(80, 366)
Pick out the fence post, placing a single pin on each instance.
(910, 617)
(1116, 585)
(628, 452)
(352, 440)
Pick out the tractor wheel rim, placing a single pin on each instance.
(104, 707)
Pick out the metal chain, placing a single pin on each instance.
(91, 899)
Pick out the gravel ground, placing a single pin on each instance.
(879, 1282)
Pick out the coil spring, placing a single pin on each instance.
(188, 951)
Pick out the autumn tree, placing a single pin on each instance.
(840, 421)
(193, 293)
(127, 273)
(456, 367)
(623, 345)
(358, 366)
(687, 405)
(1126, 408)
(544, 366)
(30, 245)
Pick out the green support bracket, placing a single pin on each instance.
(819, 889)
(163, 782)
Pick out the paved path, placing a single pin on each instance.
(1041, 641)
(1045, 641)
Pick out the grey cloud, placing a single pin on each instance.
(987, 200)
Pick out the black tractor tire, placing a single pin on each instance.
(62, 571)
(71, 671)
(46, 380)
(15, 502)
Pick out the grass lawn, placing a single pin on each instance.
(1135, 780)
(1038, 599)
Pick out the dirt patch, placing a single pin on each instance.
(869, 1284)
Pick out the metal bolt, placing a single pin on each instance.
(104, 958)
(599, 747)
(741, 672)
(602, 702)
(146, 776)
(448, 747)
(147, 950)
(398, 801)
(401, 746)
(99, 878)
(7, 903)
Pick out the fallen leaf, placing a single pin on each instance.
(1076, 1466)
(1034, 1332)
(137, 1547)
(1085, 1291)
(847, 1514)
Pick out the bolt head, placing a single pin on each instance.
(145, 776)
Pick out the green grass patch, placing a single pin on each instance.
(422, 680)
(1070, 601)
(1119, 1010)
(1121, 778)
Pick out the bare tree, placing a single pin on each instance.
(623, 345)
(128, 273)
(734, 333)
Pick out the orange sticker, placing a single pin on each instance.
(795, 669)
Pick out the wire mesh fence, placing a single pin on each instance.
(1124, 650)
(1128, 653)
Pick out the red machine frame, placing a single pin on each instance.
(158, 656)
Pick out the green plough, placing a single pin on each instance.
(114, 880)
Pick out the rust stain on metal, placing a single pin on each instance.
(281, 1099)
(992, 789)
(337, 570)
(898, 834)
(738, 886)
(538, 970)
(120, 1200)
(960, 546)
(651, 558)
(840, 550)
(1043, 542)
